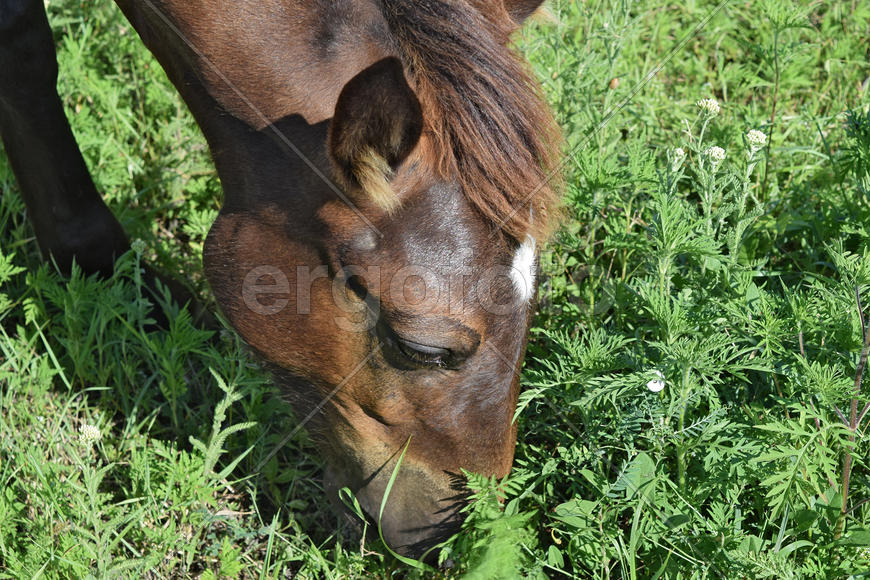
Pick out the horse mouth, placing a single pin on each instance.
(428, 537)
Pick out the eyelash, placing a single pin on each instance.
(408, 355)
(417, 356)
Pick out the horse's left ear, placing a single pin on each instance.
(519, 10)
(378, 121)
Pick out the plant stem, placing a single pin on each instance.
(708, 202)
(681, 448)
(703, 130)
(772, 112)
(853, 422)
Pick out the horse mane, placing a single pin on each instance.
(487, 123)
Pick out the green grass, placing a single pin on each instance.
(737, 285)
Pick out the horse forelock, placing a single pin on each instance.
(485, 123)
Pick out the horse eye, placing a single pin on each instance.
(424, 354)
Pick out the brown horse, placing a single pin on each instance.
(384, 166)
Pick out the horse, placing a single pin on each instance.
(386, 167)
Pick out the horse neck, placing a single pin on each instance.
(262, 78)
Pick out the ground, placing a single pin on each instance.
(690, 404)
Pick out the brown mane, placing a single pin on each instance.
(484, 115)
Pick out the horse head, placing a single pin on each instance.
(388, 277)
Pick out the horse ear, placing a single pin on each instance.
(519, 10)
(377, 123)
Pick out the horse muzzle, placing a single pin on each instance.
(420, 510)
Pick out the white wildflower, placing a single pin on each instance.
(679, 155)
(756, 140)
(710, 107)
(716, 155)
(656, 385)
(89, 434)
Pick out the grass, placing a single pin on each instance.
(740, 285)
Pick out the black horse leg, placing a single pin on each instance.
(70, 219)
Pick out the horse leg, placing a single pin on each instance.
(70, 219)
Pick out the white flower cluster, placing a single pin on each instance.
(89, 434)
(138, 246)
(716, 155)
(679, 155)
(710, 107)
(656, 385)
(756, 140)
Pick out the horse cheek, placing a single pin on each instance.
(276, 295)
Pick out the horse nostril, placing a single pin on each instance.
(373, 414)
(369, 518)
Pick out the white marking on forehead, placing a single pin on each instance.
(523, 270)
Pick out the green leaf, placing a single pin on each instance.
(555, 557)
(675, 521)
(577, 512)
(638, 476)
(786, 550)
(856, 538)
